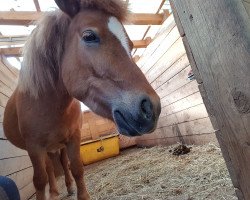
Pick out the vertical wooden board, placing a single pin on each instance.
(12, 165)
(177, 20)
(218, 33)
(247, 6)
(8, 150)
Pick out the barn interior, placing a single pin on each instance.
(156, 165)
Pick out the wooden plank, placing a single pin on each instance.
(36, 2)
(146, 19)
(188, 102)
(165, 29)
(7, 71)
(13, 165)
(24, 18)
(11, 83)
(181, 93)
(195, 127)
(174, 83)
(22, 178)
(177, 20)
(4, 89)
(192, 60)
(2, 136)
(189, 140)
(27, 192)
(218, 33)
(166, 26)
(189, 114)
(141, 43)
(175, 52)
(170, 72)
(8, 150)
(1, 117)
(3, 100)
(9, 66)
(11, 51)
(161, 49)
(10, 43)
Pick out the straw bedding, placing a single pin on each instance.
(156, 174)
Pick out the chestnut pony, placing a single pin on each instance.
(81, 53)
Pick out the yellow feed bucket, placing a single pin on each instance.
(96, 150)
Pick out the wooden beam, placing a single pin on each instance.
(142, 43)
(24, 18)
(18, 18)
(12, 51)
(36, 2)
(216, 37)
(7, 43)
(16, 51)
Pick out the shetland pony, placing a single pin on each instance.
(81, 53)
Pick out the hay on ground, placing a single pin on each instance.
(155, 174)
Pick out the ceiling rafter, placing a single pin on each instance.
(147, 30)
(25, 18)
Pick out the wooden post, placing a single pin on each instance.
(216, 35)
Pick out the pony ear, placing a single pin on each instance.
(70, 7)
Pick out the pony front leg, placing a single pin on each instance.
(68, 177)
(73, 150)
(53, 190)
(40, 178)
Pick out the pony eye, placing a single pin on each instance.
(90, 37)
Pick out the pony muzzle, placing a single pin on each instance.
(137, 117)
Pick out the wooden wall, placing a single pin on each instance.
(14, 162)
(184, 117)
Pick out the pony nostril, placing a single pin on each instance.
(147, 109)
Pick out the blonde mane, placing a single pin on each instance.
(43, 51)
(42, 54)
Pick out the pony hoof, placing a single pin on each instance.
(70, 191)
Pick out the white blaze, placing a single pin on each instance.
(117, 29)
